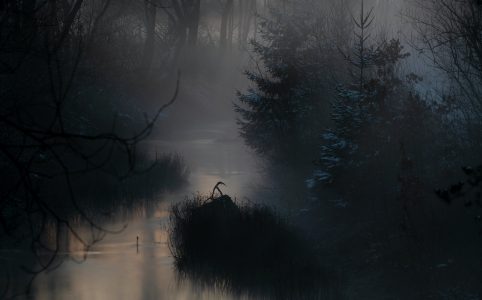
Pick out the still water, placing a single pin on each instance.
(118, 267)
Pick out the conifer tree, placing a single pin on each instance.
(352, 106)
(274, 110)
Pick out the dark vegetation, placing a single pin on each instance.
(245, 249)
(76, 77)
(363, 127)
(71, 121)
(103, 192)
(342, 115)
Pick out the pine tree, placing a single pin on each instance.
(273, 112)
(352, 107)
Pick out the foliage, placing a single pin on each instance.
(469, 187)
(242, 247)
(361, 103)
(451, 39)
(276, 113)
(61, 121)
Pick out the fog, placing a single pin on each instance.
(240, 149)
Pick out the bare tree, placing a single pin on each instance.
(40, 144)
(150, 25)
(185, 16)
(246, 15)
(450, 33)
(224, 31)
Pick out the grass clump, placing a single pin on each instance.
(244, 248)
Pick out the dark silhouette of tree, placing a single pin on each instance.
(44, 144)
(353, 105)
(274, 112)
(449, 33)
(246, 15)
(452, 39)
(150, 24)
(185, 17)
(225, 35)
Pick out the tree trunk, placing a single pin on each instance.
(241, 12)
(67, 22)
(223, 32)
(150, 25)
(230, 29)
(247, 9)
(193, 20)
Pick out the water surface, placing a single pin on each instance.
(118, 267)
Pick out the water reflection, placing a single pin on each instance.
(115, 269)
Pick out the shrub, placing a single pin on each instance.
(242, 248)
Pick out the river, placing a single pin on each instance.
(119, 268)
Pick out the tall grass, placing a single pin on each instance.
(244, 248)
(103, 192)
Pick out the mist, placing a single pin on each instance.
(240, 149)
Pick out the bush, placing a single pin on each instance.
(242, 248)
